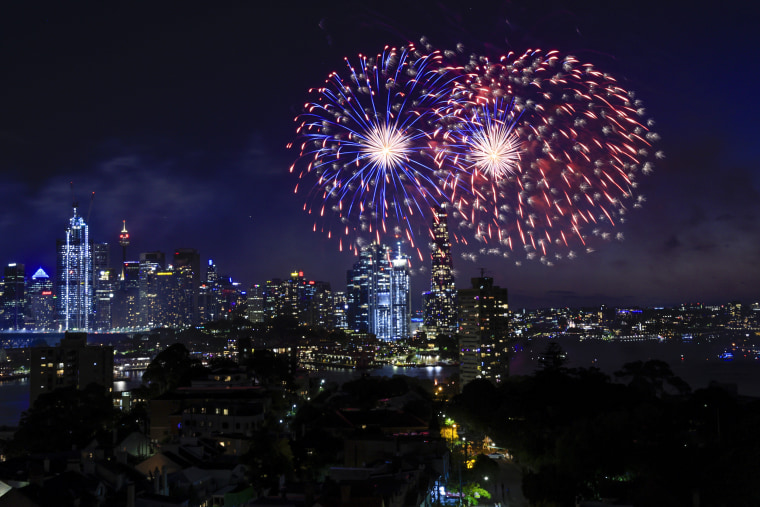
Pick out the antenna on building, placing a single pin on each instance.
(74, 202)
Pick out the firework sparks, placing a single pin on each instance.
(363, 148)
(536, 153)
(557, 165)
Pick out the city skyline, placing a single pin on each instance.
(178, 119)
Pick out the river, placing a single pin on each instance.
(697, 364)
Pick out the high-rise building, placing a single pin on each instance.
(103, 285)
(74, 285)
(14, 296)
(256, 303)
(401, 304)
(106, 285)
(378, 293)
(187, 265)
(483, 331)
(340, 310)
(170, 293)
(440, 303)
(150, 264)
(71, 363)
(209, 304)
(40, 302)
(307, 302)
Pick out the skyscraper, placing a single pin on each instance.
(103, 285)
(41, 303)
(378, 293)
(150, 264)
(440, 304)
(74, 276)
(483, 332)
(187, 265)
(14, 296)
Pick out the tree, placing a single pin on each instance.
(473, 492)
(64, 418)
(553, 359)
(173, 367)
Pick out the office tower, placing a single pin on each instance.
(171, 294)
(357, 294)
(306, 302)
(401, 305)
(103, 285)
(74, 285)
(106, 286)
(40, 302)
(316, 304)
(150, 264)
(340, 310)
(209, 304)
(14, 297)
(378, 293)
(272, 299)
(228, 298)
(71, 363)
(256, 304)
(440, 303)
(483, 331)
(187, 266)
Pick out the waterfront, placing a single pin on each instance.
(14, 399)
(696, 363)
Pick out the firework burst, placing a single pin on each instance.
(548, 151)
(362, 151)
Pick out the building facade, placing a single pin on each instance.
(74, 280)
(40, 302)
(71, 363)
(440, 303)
(377, 293)
(14, 297)
(483, 331)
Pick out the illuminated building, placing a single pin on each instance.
(187, 267)
(308, 302)
(256, 304)
(209, 305)
(401, 305)
(124, 242)
(377, 293)
(170, 292)
(14, 296)
(71, 363)
(483, 331)
(106, 283)
(149, 302)
(340, 310)
(126, 305)
(74, 285)
(103, 284)
(40, 302)
(440, 304)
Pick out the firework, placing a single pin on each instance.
(362, 148)
(537, 154)
(543, 153)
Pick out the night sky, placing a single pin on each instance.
(177, 115)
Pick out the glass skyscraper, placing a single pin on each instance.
(74, 276)
(378, 293)
(440, 311)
